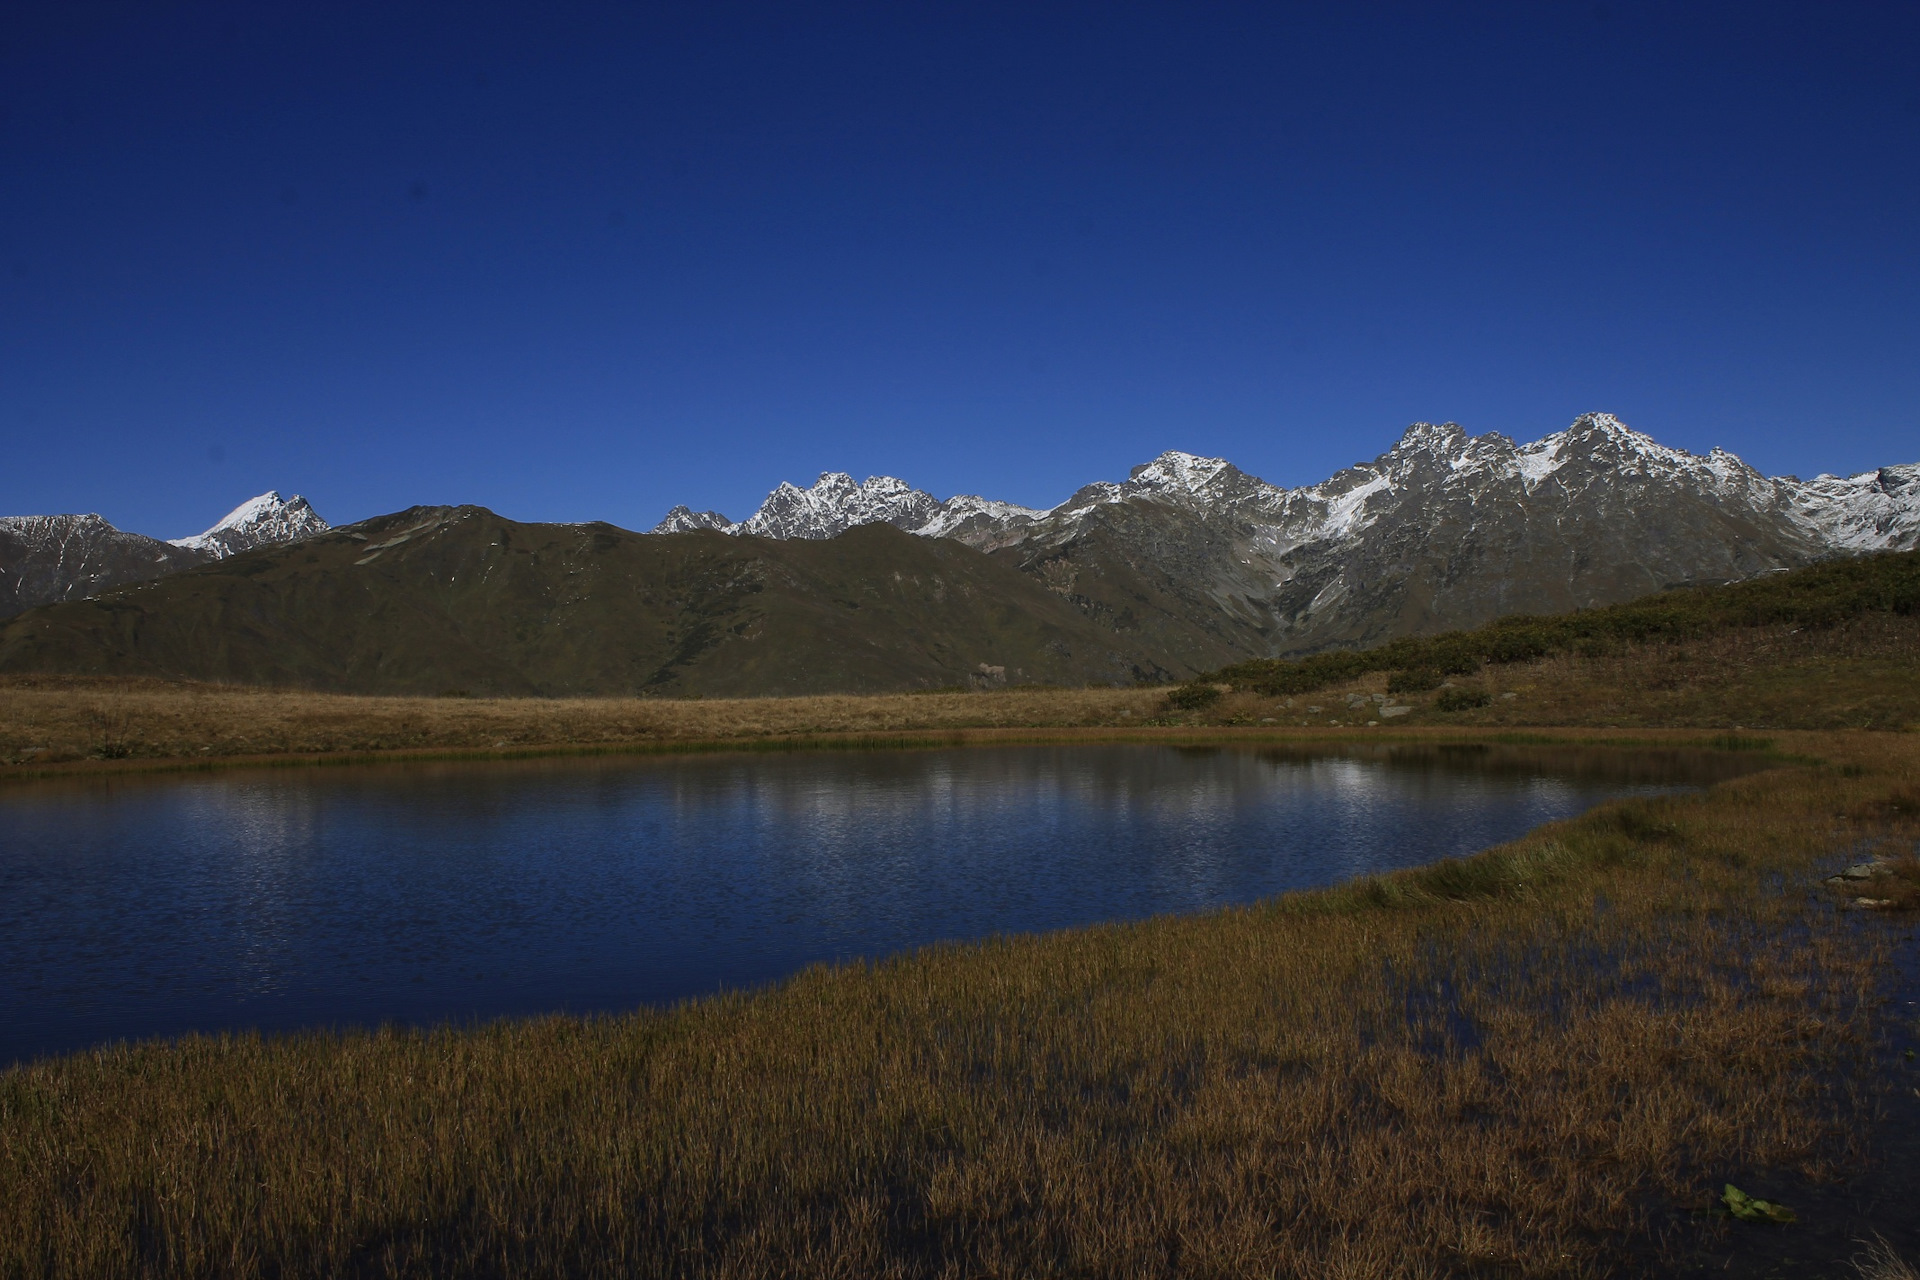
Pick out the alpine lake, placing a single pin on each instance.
(279, 899)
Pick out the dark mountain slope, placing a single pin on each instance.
(1167, 578)
(46, 559)
(432, 599)
(49, 558)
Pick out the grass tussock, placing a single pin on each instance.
(1497, 1065)
(1878, 1261)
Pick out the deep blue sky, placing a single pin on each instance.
(579, 261)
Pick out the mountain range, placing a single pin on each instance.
(1187, 565)
(1443, 530)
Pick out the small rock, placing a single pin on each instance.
(1380, 699)
(1862, 871)
(1394, 711)
(1266, 719)
(1508, 697)
(1314, 710)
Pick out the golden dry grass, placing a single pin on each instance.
(1878, 1261)
(1492, 1066)
(50, 720)
(1860, 674)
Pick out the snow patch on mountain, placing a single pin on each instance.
(267, 520)
(834, 503)
(1873, 511)
(1431, 465)
(968, 514)
(684, 519)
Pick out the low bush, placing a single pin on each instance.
(1193, 697)
(1414, 680)
(1822, 595)
(1461, 699)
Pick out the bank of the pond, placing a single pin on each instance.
(418, 892)
(1776, 745)
(1517, 1063)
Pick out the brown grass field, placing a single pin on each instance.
(1544, 1060)
(1863, 674)
(1519, 1063)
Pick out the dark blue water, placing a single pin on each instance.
(296, 898)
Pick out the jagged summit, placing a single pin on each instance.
(834, 503)
(257, 522)
(1430, 467)
(684, 519)
(44, 559)
(1186, 564)
(1443, 529)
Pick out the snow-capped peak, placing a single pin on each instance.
(834, 503)
(1440, 439)
(684, 519)
(1186, 472)
(266, 520)
(1431, 464)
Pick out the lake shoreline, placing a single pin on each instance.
(915, 740)
(899, 1114)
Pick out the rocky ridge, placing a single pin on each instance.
(1443, 530)
(46, 559)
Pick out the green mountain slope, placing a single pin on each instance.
(440, 598)
(1815, 598)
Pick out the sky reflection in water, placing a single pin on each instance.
(421, 893)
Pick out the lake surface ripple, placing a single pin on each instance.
(422, 893)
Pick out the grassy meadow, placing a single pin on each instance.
(1831, 647)
(1863, 673)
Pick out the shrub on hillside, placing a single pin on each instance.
(1414, 680)
(1193, 697)
(1462, 699)
(1822, 595)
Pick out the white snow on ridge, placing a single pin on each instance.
(1187, 472)
(965, 509)
(1877, 510)
(834, 503)
(1873, 511)
(257, 522)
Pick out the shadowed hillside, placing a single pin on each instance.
(457, 598)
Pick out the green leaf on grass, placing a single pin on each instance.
(1747, 1209)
